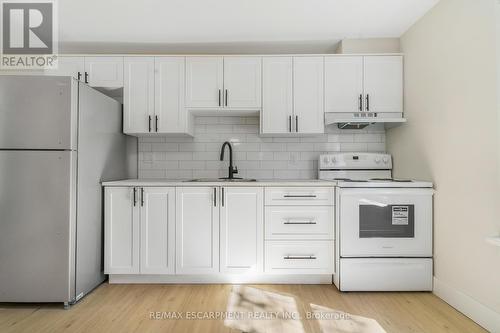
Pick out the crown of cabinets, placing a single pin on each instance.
(292, 93)
(364, 84)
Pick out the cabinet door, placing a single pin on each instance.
(276, 95)
(242, 82)
(204, 82)
(105, 72)
(383, 83)
(170, 113)
(121, 231)
(138, 95)
(344, 84)
(197, 230)
(242, 231)
(68, 66)
(157, 230)
(309, 113)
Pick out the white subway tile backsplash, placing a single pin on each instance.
(260, 156)
(191, 146)
(192, 165)
(255, 156)
(164, 146)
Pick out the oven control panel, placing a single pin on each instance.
(356, 161)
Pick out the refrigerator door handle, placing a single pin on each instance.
(135, 198)
(142, 196)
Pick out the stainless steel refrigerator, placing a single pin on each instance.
(59, 139)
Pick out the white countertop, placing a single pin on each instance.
(169, 182)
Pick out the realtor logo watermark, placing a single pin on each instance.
(28, 34)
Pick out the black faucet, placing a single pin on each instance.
(232, 170)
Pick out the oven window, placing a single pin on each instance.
(391, 221)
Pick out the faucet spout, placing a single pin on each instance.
(232, 170)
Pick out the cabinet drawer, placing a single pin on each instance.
(294, 196)
(299, 222)
(299, 257)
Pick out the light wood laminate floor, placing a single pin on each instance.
(128, 308)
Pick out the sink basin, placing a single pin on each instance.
(214, 180)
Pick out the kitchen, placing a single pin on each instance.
(322, 179)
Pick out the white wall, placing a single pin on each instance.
(255, 156)
(452, 139)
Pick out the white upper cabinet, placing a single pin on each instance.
(277, 95)
(242, 82)
(121, 231)
(383, 82)
(308, 88)
(170, 113)
(197, 230)
(105, 72)
(69, 66)
(204, 82)
(157, 229)
(344, 84)
(138, 95)
(242, 230)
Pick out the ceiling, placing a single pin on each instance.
(220, 26)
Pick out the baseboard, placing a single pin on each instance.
(222, 279)
(476, 311)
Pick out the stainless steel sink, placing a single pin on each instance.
(215, 180)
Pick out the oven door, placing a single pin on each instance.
(385, 222)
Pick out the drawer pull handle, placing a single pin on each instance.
(299, 257)
(300, 222)
(299, 196)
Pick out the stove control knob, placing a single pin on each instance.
(386, 160)
(326, 160)
(377, 160)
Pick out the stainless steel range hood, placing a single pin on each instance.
(360, 120)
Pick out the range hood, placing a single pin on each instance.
(360, 120)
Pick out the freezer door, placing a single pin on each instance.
(38, 112)
(37, 224)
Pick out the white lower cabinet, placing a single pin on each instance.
(218, 231)
(241, 230)
(121, 231)
(299, 257)
(197, 230)
(157, 230)
(139, 230)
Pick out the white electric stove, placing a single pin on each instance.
(383, 225)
